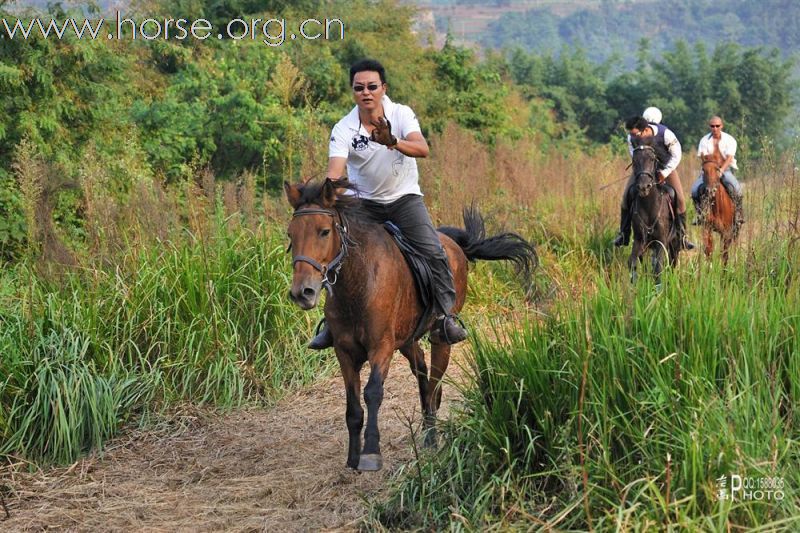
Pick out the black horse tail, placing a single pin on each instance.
(507, 245)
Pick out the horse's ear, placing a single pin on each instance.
(328, 196)
(293, 194)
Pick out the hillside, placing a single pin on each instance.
(615, 27)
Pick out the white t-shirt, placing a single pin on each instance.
(727, 147)
(381, 174)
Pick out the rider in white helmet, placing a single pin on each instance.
(651, 125)
(652, 115)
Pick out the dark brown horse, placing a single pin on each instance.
(717, 207)
(653, 215)
(373, 307)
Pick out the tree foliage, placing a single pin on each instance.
(168, 109)
(613, 27)
(751, 88)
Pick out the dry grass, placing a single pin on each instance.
(279, 469)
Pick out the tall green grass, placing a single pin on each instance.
(623, 408)
(201, 320)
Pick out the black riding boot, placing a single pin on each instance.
(323, 338)
(447, 331)
(624, 235)
(680, 225)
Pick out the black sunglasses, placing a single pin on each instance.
(715, 125)
(372, 87)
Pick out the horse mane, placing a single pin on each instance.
(311, 192)
(662, 154)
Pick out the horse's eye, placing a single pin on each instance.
(324, 233)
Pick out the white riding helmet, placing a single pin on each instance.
(652, 115)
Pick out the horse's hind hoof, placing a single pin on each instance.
(370, 462)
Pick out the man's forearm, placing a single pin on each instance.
(726, 164)
(412, 148)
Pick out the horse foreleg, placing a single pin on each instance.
(635, 258)
(416, 357)
(658, 261)
(708, 239)
(354, 416)
(379, 360)
(727, 240)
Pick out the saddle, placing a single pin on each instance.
(423, 277)
(670, 191)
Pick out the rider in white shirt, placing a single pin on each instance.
(715, 140)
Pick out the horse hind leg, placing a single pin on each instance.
(440, 359)
(416, 358)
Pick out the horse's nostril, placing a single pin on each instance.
(308, 292)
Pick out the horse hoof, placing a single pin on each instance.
(430, 439)
(370, 462)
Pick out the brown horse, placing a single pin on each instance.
(717, 207)
(373, 307)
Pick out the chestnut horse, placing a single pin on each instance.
(717, 207)
(373, 307)
(653, 217)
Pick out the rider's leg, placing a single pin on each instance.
(734, 188)
(675, 182)
(623, 237)
(411, 216)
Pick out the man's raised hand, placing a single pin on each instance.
(382, 134)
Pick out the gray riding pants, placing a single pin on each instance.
(410, 215)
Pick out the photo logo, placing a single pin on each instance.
(744, 488)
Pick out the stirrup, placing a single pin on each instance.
(439, 333)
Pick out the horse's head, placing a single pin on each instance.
(645, 164)
(316, 238)
(711, 171)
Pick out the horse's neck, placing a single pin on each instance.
(711, 178)
(650, 203)
(355, 265)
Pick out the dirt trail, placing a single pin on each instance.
(273, 469)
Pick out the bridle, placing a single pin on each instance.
(646, 172)
(336, 263)
(647, 229)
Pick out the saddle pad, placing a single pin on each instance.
(423, 277)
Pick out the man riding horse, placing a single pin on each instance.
(718, 141)
(378, 142)
(667, 170)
